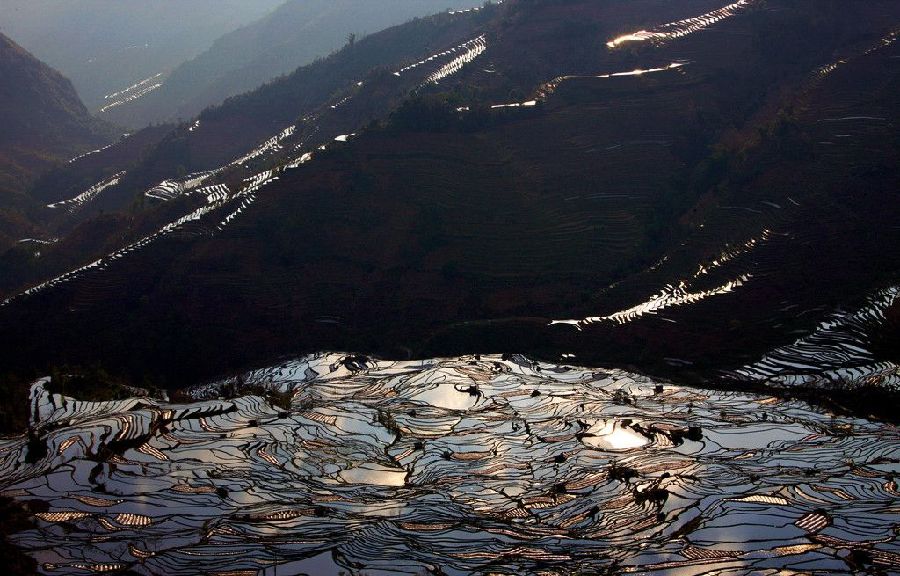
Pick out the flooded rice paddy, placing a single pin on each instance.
(681, 28)
(472, 465)
(134, 92)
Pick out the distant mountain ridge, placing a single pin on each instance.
(295, 34)
(104, 46)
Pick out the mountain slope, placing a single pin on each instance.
(104, 46)
(680, 204)
(295, 34)
(339, 94)
(42, 117)
(43, 124)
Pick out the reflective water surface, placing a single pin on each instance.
(681, 28)
(456, 466)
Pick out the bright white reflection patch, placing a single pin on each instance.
(680, 28)
(611, 435)
(374, 474)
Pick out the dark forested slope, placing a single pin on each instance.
(43, 124)
(684, 204)
(42, 117)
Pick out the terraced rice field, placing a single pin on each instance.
(475, 465)
(134, 92)
(808, 270)
(836, 353)
(75, 204)
(217, 197)
(681, 28)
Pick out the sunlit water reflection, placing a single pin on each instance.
(456, 466)
(681, 28)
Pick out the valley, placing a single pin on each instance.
(537, 287)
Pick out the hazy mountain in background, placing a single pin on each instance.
(295, 34)
(42, 117)
(104, 46)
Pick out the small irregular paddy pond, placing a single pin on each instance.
(475, 465)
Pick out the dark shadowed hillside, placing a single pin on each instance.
(115, 185)
(43, 119)
(679, 204)
(43, 124)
